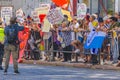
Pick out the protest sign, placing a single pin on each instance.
(6, 13)
(35, 17)
(20, 15)
(81, 10)
(46, 26)
(43, 9)
(55, 16)
(43, 5)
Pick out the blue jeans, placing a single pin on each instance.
(115, 50)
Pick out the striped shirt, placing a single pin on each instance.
(66, 35)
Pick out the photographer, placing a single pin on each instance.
(11, 43)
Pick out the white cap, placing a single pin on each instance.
(106, 17)
(94, 15)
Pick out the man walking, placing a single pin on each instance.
(11, 43)
(1, 43)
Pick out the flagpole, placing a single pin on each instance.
(98, 8)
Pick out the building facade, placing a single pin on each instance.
(92, 5)
(103, 5)
(26, 5)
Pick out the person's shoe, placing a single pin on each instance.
(16, 72)
(5, 72)
(1, 68)
(64, 61)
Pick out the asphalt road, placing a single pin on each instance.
(38, 72)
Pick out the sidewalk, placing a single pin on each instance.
(76, 65)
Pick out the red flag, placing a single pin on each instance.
(42, 17)
(62, 3)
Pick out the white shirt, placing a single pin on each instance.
(76, 25)
(91, 26)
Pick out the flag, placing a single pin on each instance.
(65, 12)
(42, 17)
(95, 40)
(62, 3)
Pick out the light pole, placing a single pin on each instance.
(98, 8)
(116, 5)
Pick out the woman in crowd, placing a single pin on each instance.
(93, 24)
(66, 44)
(56, 43)
(34, 41)
(114, 41)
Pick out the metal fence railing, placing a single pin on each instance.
(49, 43)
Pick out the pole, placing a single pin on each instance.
(116, 6)
(98, 8)
(75, 7)
(90, 6)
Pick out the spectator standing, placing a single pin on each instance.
(56, 43)
(11, 43)
(66, 44)
(114, 46)
(34, 41)
(93, 24)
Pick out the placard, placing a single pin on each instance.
(55, 16)
(6, 13)
(46, 26)
(81, 10)
(43, 9)
(35, 17)
(20, 15)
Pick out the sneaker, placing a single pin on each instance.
(34, 62)
(16, 72)
(77, 51)
(5, 72)
(1, 68)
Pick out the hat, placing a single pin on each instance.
(114, 19)
(100, 19)
(94, 15)
(106, 17)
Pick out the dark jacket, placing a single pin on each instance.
(17, 27)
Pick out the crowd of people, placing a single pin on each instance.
(66, 40)
(72, 36)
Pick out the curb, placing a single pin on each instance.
(76, 65)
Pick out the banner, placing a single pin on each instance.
(43, 9)
(94, 40)
(46, 26)
(20, 15)
(35, 17)
(81, 10)
(6, 13)
(55, 16)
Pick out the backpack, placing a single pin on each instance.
(11, 35)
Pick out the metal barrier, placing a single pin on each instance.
(47, 46)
